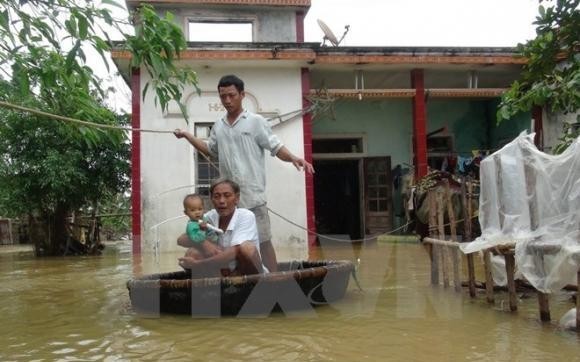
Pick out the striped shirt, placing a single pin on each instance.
(240, 149)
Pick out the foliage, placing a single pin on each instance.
(570, 132)
(551, 76)
(65, 28)
(157, 46)
(116, 223)
(49, 168)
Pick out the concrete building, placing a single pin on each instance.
(391, 106)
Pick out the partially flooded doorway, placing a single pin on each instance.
(352, 192)
(337, 190)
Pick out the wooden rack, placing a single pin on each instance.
(445, 254)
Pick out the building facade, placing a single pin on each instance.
(379, 112)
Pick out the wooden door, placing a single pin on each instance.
(378, 195)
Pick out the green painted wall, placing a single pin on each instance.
(506, 131)
(464, 119)
(387, 124)
(473, 123)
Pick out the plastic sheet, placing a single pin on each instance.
(532, 199)
(568, 320)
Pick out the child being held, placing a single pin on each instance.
(198, 229)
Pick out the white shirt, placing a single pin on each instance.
(240, 150)
(242, 227)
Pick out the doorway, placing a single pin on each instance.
(338, 198)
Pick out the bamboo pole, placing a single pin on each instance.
(488, 277)
(10, 231)
(498, 177)
(439, 242)
(469, 206)
(509, 258)
(510, 264)
(578, 302)
(543, 303)
(543, 300)
(441, 229)
(456, 271)
(433, 249)
(467, 237)
(530, 176)
(452, 227)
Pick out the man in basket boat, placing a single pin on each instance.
(227, 277)
(239, 140)
(237, 250)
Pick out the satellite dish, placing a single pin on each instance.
(329, 35)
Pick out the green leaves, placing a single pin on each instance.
(46, 164)
(4, 20)
(551, 76)
(66, 27)
(112, 3)
(570, 132)
(156, 46)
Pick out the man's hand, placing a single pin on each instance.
(302, 164)
(198, 143)
(210, 249)
(183, 240)
(187, 262)
(179, 133)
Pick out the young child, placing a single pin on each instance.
(198, 229)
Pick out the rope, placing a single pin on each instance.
(456, 222)
(78, 121)
(173, 189)
(296, 114)
(166, 221)
(331, 238)
(355, 278)
(299, 113)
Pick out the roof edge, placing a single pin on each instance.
(316, 54)
(287, 3)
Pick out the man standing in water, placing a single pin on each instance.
(239, 140)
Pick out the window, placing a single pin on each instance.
(220, 31)
(377, 185)
(205, 172)
(439, 144)
(337, 145)
(331, 146)
(438, 149)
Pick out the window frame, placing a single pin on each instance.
(252, 21)
(202, 185)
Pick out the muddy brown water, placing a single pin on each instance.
(77, 309)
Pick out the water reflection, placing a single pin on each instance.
(78, 308)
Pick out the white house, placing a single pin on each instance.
(393, 106)
(165, 169)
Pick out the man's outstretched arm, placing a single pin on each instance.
(301, 164)
(198, 143)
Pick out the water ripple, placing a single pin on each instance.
(78, 309)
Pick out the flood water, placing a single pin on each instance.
(77, 309)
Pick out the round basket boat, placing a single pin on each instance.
(297, 285)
